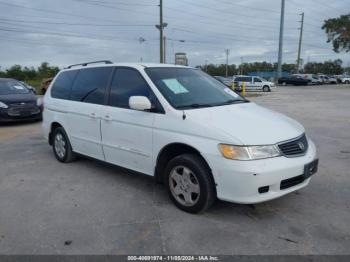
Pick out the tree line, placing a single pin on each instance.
(30, 73)
(331, 67)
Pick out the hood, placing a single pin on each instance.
(9, 99)
(246, 124)
(268, 82)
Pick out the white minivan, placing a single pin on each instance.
(180, 125)
(254, 83)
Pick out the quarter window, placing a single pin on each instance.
(62, 86)
(90, 85)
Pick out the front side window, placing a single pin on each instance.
(258, 80)
(191, 88)
(90, 85)
(12, 87)
(128, 82)
(62, 86)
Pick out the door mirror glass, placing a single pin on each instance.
(140, 103)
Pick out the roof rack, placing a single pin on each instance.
(93, 62)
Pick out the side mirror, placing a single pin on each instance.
(140, 103)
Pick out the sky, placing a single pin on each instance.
(64, 32)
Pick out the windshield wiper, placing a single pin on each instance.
(234, 101)
(194, 106)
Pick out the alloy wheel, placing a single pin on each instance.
(184, 186)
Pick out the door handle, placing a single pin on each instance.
(93, 115)
(107, 118)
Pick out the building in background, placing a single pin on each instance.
(181, 59)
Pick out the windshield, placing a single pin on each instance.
(191, 88)
(12, 87)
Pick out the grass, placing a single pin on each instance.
(36, 83)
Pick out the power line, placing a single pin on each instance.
(75, 24)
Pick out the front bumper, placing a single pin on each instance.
(239, 181)
(5, 117)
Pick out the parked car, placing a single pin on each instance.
(254, 83)
(226, 81)
(327, 79)
(17, 102)
(293, 80)
(346, 80)
(313, 79)
(181, 126)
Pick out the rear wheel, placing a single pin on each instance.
(284, 83)
(347, 82)
(190, 184)
(61, 146)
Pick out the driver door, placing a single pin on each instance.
(127, 134)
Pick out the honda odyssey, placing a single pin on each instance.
(185, 128)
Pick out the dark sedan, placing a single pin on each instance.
(17, 102)
(294, 80)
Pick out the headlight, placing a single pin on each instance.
(248, 152)
(39, 101)
(3, 105)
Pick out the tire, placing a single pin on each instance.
(61, 146)
(189, 183)
(266, 89)
(284, 83)
(347, 82)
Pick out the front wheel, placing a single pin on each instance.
(189, 183)
(266, 89)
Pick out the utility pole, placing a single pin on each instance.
(300, 40)
(164, 51)
(161, 27)
(227, 51)
(141, 40)
(280, 47)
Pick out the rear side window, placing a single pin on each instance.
(126, 83)
(62, 86)
(247, 79)
(90, 85)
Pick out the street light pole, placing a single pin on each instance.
(300, 40)
(280, 48)
(227, 51)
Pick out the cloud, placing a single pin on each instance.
(71, 31)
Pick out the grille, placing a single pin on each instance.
(294, 147)
(287, 183)
(20, 109)
(263, 189)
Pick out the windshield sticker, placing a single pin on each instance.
(175, 86)
(229, 91)
(19, 87)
